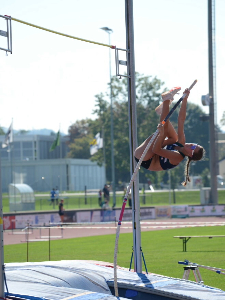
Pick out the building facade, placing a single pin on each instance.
(28, 160)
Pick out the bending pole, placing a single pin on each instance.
(130, 184)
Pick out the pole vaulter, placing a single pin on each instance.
(131, 183)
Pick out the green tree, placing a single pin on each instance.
(175, 176)
(205, 177)
(2, 131)
(222, 121)
(80, 148)
(80, 135)
(22, 131)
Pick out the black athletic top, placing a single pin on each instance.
(164, 162)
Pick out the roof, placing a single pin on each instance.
(22, 188)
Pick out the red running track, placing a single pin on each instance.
(19, 236)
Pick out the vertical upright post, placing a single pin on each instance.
(27, 234)
(49, 241)
(112, 131)
(60, 156)
(2, 294)
(212, 136)
(103, 137)
(85, 194)
(109, 31)
(169, 187)
(8, 34)
(133, 133)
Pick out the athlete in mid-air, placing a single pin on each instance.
(170, 147)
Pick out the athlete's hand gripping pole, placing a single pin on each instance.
(178, 102)
(130, 184)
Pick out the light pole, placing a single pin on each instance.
(109, 31)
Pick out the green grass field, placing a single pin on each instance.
(161, 251)
(150, 199)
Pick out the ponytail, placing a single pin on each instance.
(196, 156)
(187, 168)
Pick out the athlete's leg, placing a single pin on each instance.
(171, 134)
(169, 131)
(140, 149)
(182, 112)
(165, 111)
(182, 117)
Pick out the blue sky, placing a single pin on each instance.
(51, 81)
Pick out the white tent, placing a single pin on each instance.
(21, 197)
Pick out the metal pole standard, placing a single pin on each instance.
(133, 133)
(2, 294)
(212, 135)
(103, 137)
(60, 155)
(112, 131)
(109, 31)
(27, 233)
(49, 242)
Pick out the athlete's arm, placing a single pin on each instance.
(182, 117)
(174, 156)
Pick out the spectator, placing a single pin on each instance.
(52, 193)
(61, 211)
(106, 193)
(100, 198)
(129, 200)
(57, 195)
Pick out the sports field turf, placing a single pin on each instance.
(161, 251)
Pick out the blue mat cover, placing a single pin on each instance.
(81, 280)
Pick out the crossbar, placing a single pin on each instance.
(63, 34)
